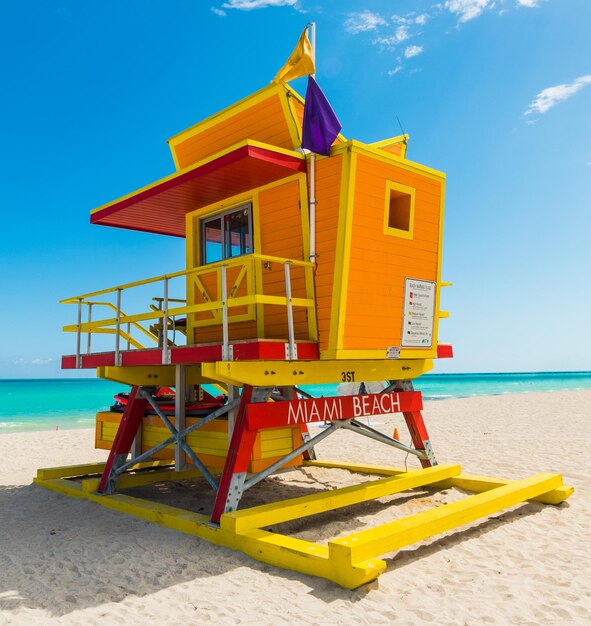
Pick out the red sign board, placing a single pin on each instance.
(293, 412)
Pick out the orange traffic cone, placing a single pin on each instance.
(395, 435)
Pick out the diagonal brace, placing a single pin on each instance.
(372, 433)
(179, 438)
(180, 441)
(310, 443)
(163, 444)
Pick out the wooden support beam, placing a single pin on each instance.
(479, 484)
(389, 537)
(304, 506)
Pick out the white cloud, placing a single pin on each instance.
(530, 4)
(37, 361)
(395, 70)
(247, 5)
(468, 9)
(413, 51)
(401, 34)
(399, 19)
(364, 21)
(218, 11)
(410, 18)
(551, 96)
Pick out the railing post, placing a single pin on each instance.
(165, 352)
(292, 348)
(78, 335)
(89, 336)
(225, 345)
(118, 330)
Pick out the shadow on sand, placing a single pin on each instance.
(60, 555)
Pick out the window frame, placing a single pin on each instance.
(399, 232)
(220, 215)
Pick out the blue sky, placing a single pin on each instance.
(495, 94)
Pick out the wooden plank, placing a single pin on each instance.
(479, 484)
(87, 469)
(389, 537)
(304, 506)
(381, 470)
(126, 481)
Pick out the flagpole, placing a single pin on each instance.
(312, 162)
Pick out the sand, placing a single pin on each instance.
(72, 562)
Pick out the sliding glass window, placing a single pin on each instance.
(226, 235)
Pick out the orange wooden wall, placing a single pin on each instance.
(379, 263)
(282, 236)
(329, 174)
(280, 227)
(264, 121)
(396, 148)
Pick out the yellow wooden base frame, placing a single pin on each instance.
(349, 561)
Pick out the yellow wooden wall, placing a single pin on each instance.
(379, 263)
(210, 442)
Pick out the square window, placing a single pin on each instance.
(399, 210)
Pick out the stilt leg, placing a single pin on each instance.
(130, 424)
(239, 453)
(420, 437)
(231, 486)
(416, 426)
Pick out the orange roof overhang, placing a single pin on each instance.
(161, 207)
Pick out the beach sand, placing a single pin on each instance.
(73, 562)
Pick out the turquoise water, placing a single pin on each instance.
(48, 403)
(73, 403)
(443, 386)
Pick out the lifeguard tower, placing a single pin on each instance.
(293, 277)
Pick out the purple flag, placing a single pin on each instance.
(321, 126)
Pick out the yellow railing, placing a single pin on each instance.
(248, 281)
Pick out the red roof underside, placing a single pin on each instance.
(162, 208)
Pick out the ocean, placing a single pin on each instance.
(47, 404)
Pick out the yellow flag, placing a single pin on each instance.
(300, 62)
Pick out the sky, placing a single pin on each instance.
(495, 93)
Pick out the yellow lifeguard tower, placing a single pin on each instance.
(301, 270)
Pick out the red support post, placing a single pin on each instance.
(239, 454)
(128, 427)
(418, 433)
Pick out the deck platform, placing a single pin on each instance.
(209, 353)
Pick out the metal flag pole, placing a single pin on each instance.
(312, 164)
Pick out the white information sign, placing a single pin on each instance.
(393, 352)
(419, 313)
